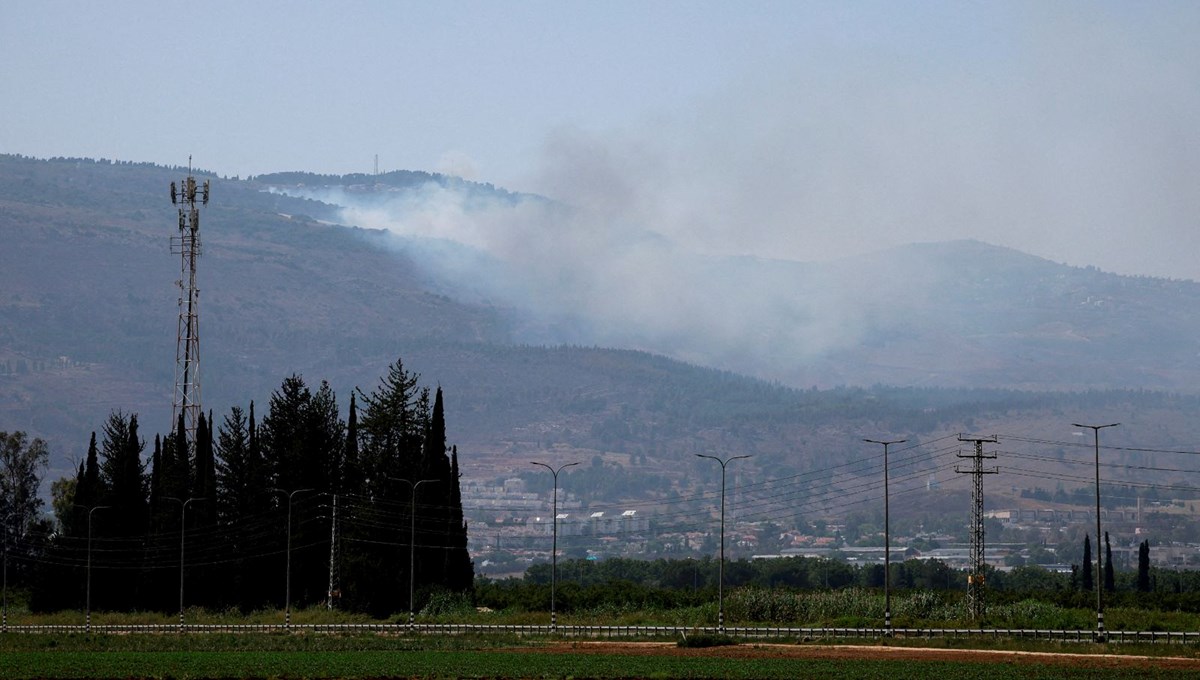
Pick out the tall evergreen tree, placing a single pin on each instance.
(242, 501)
(460, 571)
(301, 437)
(156, 478)
(1143, 571)
(88, 490)
(201, 513)
(1110, 583)
(352, 473)
(127, 516)
(1086, 569)
(326, 435)
(123, 474)
(392, 428)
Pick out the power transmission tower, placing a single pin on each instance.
(975, 580)
(186, 399)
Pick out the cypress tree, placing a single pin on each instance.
(88, 490)
(459, 568)
(1109, 576)
(155, 477)
(1087, 564)
(1143, 572)
(352, 473)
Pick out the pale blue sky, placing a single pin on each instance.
(798, 129)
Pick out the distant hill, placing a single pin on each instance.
(967, 335)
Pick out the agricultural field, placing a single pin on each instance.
(26, 657)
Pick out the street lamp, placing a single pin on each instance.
(182, 534)
(887, 537)
(287, 590)
(88, 596)
(4, 616)
(412, 541)
(1099, 579)
(721, 567)
(554, 544)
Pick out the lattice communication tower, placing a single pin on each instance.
(186, 401)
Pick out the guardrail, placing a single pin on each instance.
(609, 632)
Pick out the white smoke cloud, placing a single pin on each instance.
(1069, 134)
(1075, 141)
(592, 273)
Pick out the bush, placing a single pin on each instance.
(697, 640)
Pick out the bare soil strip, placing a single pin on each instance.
(876, 652)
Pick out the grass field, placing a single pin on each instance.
(376, 656)
(484, 664)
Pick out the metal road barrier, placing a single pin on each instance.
(781, 633)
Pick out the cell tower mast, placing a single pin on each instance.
(186, 400)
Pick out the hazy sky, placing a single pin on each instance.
(794, 129)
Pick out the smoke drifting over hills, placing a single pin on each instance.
(590, 275)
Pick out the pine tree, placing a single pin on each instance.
(1143, 572)
(127, 516)
(394, 422)
(123, 475)
(1109, 576)
(1087, 564)
(326, 435)
(301, 438)
(241, 500)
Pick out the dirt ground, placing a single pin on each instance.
(780, 651)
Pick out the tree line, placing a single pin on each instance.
(300, 502)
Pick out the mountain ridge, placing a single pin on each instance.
(88, 309)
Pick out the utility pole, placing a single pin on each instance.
(88, 596)
(412, 540)
(182, 534)
(1099, 579)
(287, 588)
(975, 580)
(887, 536)
(721, 569)
(554, 543)
(4, 623)
(333, 561)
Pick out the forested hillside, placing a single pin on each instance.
(88, 320)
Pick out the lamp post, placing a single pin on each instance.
(1099, 579)
(287, 589)
(4, 616)
(721, 566)
(182, 534)
(887, 537)
(88, 596)
(412, 541)
(554, 539)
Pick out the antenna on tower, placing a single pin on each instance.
(185, 402)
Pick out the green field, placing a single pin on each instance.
(373, 656)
